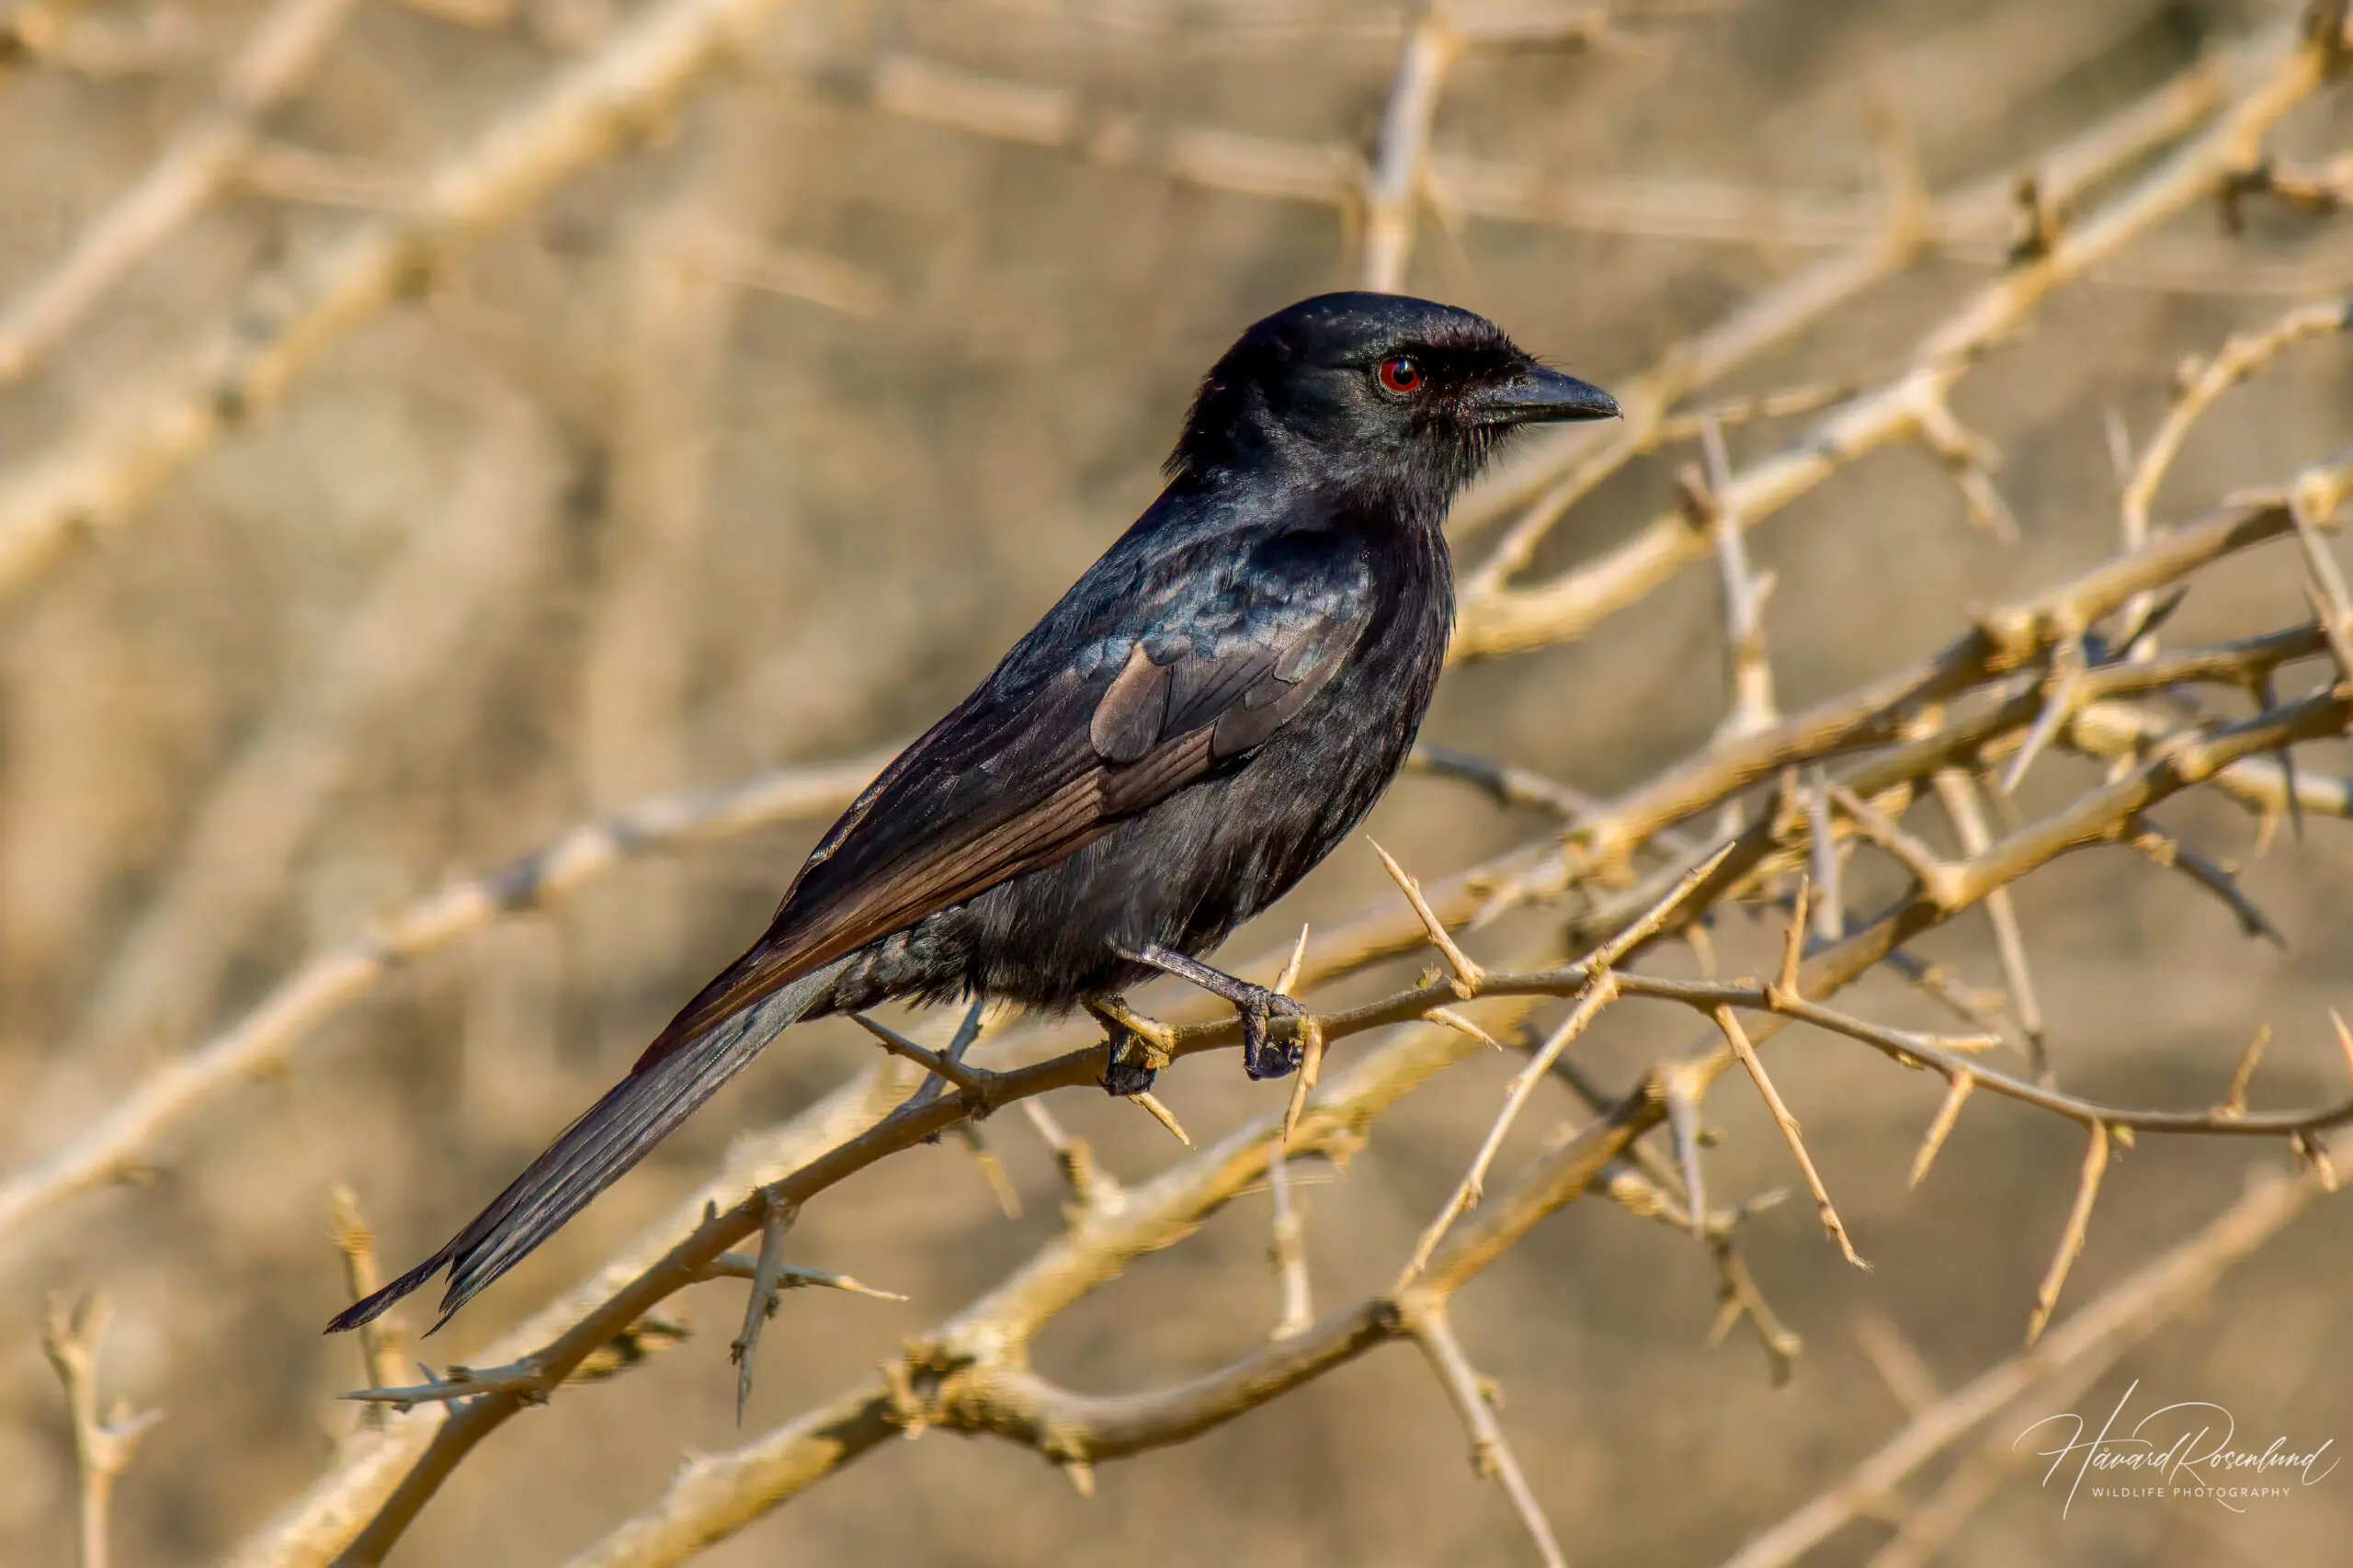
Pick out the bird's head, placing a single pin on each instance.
(1374, 392)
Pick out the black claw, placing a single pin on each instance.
(1128, 1074)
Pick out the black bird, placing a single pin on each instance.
(1204, 716)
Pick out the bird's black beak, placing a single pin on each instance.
(1534, 395)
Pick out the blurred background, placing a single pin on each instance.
(754, 443)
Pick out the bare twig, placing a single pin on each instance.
(2239, 357)
(1956, 791)
(2164, 850)
(1958, 1086)
(107, 468)
(1598, 993)
(2103, 1330)
(122, 1140)
(1091, 1186)
(1467, 974)
(1738, 1039)
(103, 1445)
(948, 1067)
(1490, 1452)
(200, 158)
(2071, 1240)
(1393, 186)
(1288, 1250)
(1497, 619)
(380, 1355)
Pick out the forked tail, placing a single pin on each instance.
(596, 1150)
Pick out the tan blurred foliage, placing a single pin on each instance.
(395, 473)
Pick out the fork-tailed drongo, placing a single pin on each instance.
(1204, 715)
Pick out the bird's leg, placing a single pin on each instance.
(1139, 1046)
(1261, 1058)
(966, 1033)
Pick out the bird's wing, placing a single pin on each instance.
(1036, 765)
(1117, 701)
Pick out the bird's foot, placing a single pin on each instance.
(1139, 1047)
(1263, 1058)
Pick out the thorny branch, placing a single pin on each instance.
(2032, 677)
(1562, 1176)
(1500, 619)
(122, 1142)
(1997, 704)
(2094, 1338)
(2007, 637)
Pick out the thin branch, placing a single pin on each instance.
(199, 160)
(122, 1143)
(1506, 784)
(1598, 993)
(2060, 694)
(1091, 1186)
(1824, 868)
(1936, 879)
(977, 1021)
(2164, 850)
(380, 1356)
(1393, 186)
(103, 1445)
(2071, 1240)
(970, 1081)
(760, 1302)
(2240, 358)
(1748, 672)
(1551, 472)
(1958, 1086)
(1738, 1039)
(1956, 791)
(2095, 1335)
(786, 1276)
(1287, 1250)
(1491, 1453)
(1467, 974)
(107, 467)
(1497, 619)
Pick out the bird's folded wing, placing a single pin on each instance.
(1000, 787)
(1044, 758)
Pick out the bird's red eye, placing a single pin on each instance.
(1399, 374)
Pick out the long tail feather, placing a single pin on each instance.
(596, 1150)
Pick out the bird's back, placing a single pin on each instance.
(1189, 870)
